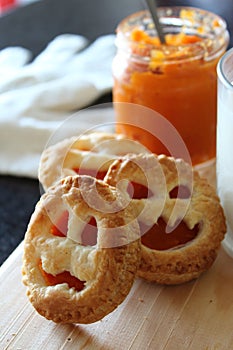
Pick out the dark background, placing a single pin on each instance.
(33, 26)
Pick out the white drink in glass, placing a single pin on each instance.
(225, 144)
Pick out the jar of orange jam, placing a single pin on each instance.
(177, 79)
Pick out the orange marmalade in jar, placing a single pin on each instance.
(177, 79)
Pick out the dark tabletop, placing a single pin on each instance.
(33, 27)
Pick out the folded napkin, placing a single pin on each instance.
(37, 97)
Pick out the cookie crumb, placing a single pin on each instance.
(141, 300)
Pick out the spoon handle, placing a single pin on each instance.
(152, 6)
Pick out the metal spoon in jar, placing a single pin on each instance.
(152, 6)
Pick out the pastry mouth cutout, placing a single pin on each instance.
(88, 154)
(79, 277)
(181, 237)
(60, 278)
(155, 237)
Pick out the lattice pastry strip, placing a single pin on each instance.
(181, 240)
(72, 281)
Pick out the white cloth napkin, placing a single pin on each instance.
(37, 97)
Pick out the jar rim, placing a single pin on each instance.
(171, 12)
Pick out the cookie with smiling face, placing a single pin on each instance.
(81, 251)
(181, 236)
(88, 154)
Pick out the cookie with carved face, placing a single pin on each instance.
(181, 229)
(88, 154)
(81, 251)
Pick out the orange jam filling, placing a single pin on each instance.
(157, 238)
(61, 227)
(138, 191)
(89, 234)
(181, 192)
(63, 277)
(140, 36)
(92, 172)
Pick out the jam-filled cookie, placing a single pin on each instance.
(88, 154)
(182, 240)
(81, 251)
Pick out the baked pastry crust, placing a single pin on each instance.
(95, 151)
(108, 269)
(185, 262)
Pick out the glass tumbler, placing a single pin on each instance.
(224, 163)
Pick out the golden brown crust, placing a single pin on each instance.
(108, 268)
(146, 170)
(95, 150)
(183, 263)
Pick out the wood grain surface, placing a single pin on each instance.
(196, 315)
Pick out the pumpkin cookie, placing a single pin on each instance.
(181, 240)
(81, 251)
(88, 154)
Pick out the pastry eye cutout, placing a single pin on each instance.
(138, 191)
(88, 233)
(60, 227)
(182, 192)
(79, 282)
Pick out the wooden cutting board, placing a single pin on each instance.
(197, 315)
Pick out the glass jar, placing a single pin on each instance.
(177, 79)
